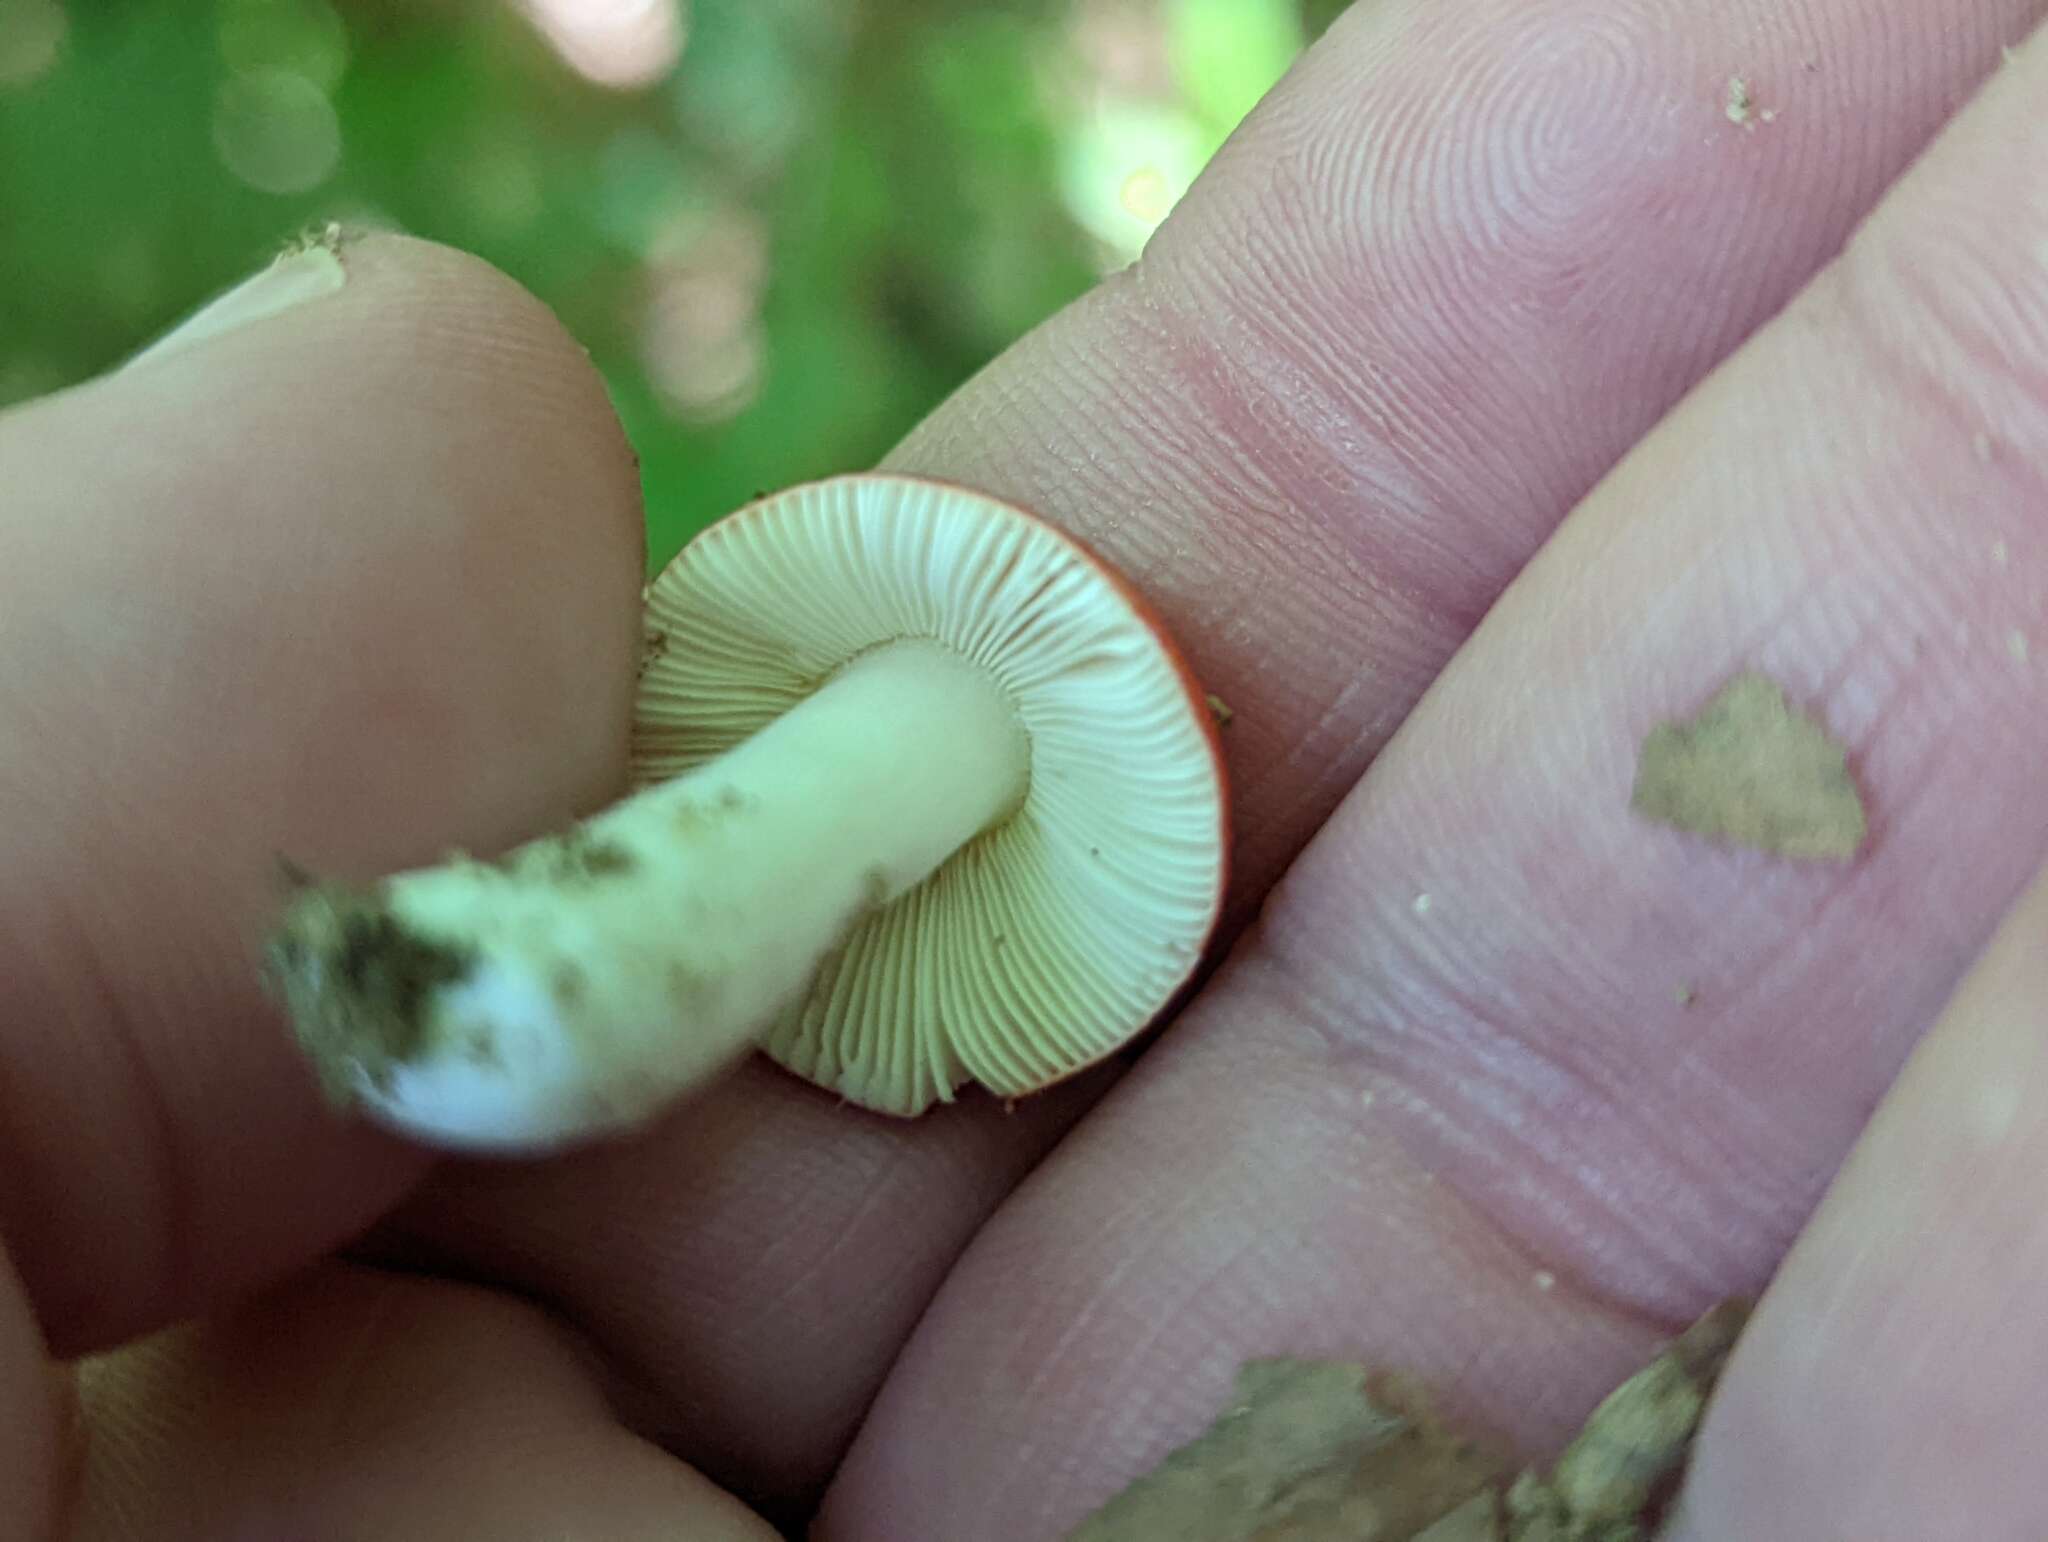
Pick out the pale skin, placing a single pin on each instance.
(1406, 330)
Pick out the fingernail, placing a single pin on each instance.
(304, 271)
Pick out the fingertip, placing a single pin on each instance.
(1893, 1378)
(460, 334)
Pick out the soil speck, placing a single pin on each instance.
(653, 648)
(1739, 105)
(570, 984)
(576, 856)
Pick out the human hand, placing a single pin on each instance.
(356, 581)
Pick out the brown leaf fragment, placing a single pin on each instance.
(1753, 770)
(1317, 1452)
(1307, 1452)
(1621, 1470)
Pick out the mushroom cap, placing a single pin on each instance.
(1050, 940)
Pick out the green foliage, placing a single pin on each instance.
(781, 252)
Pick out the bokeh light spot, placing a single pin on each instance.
(31, 39)
(701, 339)
(276, 131)
(1147, 91)
(1146, 195)
(1124, 167)
(618, 43)
(498, 183)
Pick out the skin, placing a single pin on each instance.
(1434, 309)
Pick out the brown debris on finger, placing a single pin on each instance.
(1312, 1451)
(1624, 1466)
(1306, 1450)
(1752, 770)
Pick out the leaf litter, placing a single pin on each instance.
(1320, 1451)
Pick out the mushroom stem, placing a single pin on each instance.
(585, 980)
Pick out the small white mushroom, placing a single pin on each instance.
(925, 797)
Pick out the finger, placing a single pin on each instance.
(1355, 381)
(790, 1307)
(1485, 1138)
(351, 1404)
(1893, 1381)
(1456, 266)
(350, 583)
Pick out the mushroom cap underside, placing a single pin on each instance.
(1047, 942)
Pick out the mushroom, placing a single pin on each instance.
(924, 796)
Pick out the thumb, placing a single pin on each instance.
(349, 571)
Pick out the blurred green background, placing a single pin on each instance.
(785, 228)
